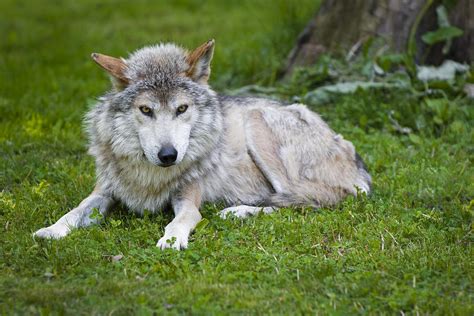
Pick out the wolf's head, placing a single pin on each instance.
(161, 106)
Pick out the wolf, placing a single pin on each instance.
(163, 137)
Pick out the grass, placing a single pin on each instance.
(407, 248)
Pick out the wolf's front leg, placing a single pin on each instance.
(80, 216)
(187, 216)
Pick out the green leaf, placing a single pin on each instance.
(202, 225)
(442, 34)
(387, 62)
(415, 139)
(443, 21)
(442, 14)
(95, 214)
(326, 94)
(115, 223)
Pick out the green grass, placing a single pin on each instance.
(407, 248)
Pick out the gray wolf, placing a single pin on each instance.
(162, 137)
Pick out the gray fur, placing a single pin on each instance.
(243, 151)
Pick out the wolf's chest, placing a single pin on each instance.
(143, 186)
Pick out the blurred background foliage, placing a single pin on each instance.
(48, 79)
(252, 37)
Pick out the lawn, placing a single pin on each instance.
(405, 249)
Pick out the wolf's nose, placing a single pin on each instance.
(167, 155)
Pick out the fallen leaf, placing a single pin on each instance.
(117, 258)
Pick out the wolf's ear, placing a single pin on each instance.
(115, 67)
(199, 61)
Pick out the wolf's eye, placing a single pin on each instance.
(145, 110)
(181, 109)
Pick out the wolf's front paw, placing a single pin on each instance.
(52, 232)
(176, 240)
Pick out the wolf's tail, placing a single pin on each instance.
(291, 199)
(366, 179)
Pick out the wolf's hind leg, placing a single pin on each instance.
(242, 211)
(79, 216)
(264, 149)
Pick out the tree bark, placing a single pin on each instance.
(339, 25)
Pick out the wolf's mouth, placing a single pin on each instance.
(166, 165)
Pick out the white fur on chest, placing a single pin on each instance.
(143, 186)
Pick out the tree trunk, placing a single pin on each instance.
(339, 25)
